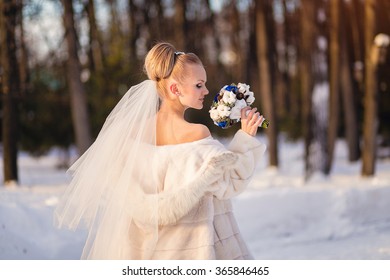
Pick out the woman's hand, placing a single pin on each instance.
(250, 123)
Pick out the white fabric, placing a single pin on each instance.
(127, 191)
(209, 230)
(112, 175)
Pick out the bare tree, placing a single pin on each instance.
(153, 19)
(356, 12)
(290, 77)
(212, 45)
(234, 19)
(348, 95)
(23, 61)
(250, 71)
(10, 81)
(370, 123)
(134, 28)
(95, 52)
(263, 54)
(334, 73)
(180, 24)
(305, 61)
(115, 25)
(76, 87)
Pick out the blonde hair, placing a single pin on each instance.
(163, 62)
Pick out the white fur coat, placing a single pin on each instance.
(195, 217)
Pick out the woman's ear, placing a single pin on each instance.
(173, 88)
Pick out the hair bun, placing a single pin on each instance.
(159, 61)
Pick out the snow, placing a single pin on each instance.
(343, 216)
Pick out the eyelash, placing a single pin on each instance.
(199, 86)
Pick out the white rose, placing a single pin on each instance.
(223, 111)
(214, 114)
(235, 113)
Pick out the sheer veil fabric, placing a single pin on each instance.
(112, 178)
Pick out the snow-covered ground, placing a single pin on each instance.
(343, 216)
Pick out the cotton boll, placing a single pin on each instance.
(243, 87)
(223, 111)
(250, 98)
(214, 114)
(229, 98)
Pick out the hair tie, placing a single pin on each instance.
(179, 53)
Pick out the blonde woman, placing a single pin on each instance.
(153, 185)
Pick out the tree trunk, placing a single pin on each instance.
(160, 19)
(235, 37)
(370, 123)
(134, 28)
(349, 105)
(251, 57)
(280, 70)
(320, 97)
(180, 25)
(76, 87)
(23, 68)
(268, 101)
(281, 77)
(290, 74)
(155, 24)
(349, 101)
(115, 23)
(305, 69)
(334, 81)
(96, 55)
(9, 10)
(356, 12)
(357, 25)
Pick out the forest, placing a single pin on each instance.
(319, 70)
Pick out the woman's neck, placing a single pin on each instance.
(172, 108)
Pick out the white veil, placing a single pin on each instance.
(110, 178)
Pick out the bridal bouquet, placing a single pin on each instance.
(226, 108)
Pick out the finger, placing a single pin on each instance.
(259, 121)
(251, 112)
(243, 112)
(254, 118)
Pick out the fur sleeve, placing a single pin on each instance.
(235, 178)
(168, 207)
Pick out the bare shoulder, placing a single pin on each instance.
(201, 131)
(196, 132)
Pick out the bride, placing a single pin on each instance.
(154, 186)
